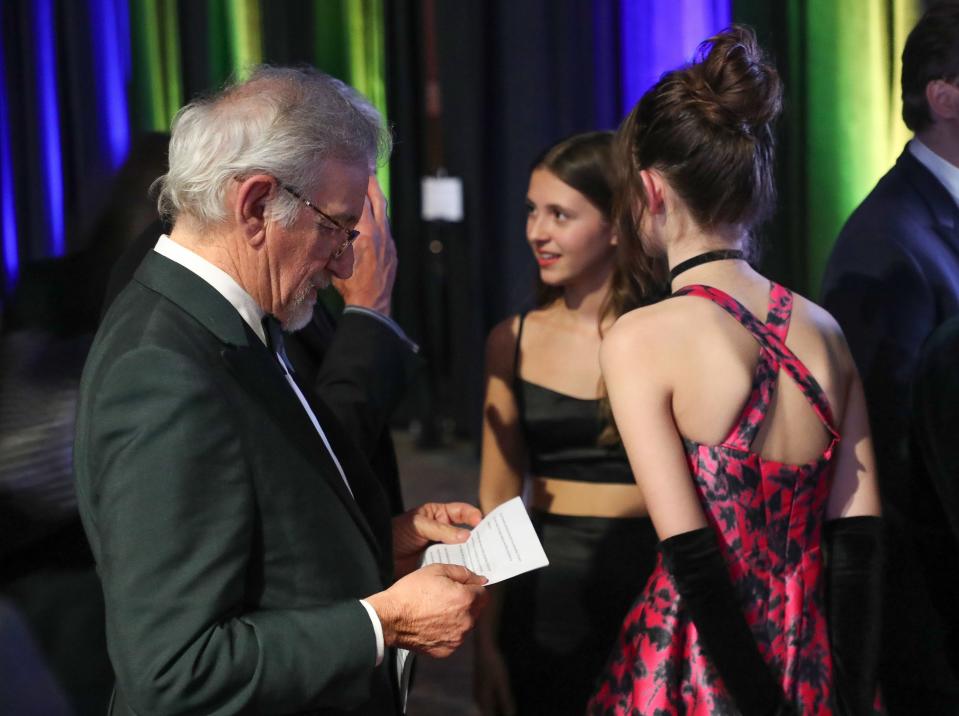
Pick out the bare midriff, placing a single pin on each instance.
(586, 499)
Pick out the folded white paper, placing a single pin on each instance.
(503, 545)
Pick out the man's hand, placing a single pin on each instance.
(432, 522)
(374, 267)
(431, 610)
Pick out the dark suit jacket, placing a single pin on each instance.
(893, 277)
(330, 356)
(230, 552)
(936, 418)
(935, 456)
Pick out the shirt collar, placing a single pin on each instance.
(946, 172)
(220, 280)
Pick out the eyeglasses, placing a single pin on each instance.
(351, 234)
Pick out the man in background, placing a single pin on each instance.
(893, 277)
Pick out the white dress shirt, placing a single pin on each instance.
(946, 172)
(252, 314)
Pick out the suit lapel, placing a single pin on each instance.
(257, 371)
(940, 202)
(367, 490)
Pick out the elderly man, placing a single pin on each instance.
(246, 550)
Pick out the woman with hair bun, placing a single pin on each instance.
(744, 421)
(544, 639)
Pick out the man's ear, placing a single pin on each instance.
(252, 195)
(654, 189)
(943, 99)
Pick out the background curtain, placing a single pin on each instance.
(841, 129)
(83, 79)
(80, 80)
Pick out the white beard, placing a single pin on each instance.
(301, 308)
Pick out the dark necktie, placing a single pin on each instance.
(274, 340)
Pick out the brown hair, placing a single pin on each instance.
(931, 53)
(585, 162)
(707, 128)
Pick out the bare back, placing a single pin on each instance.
(686, 369)
(713, 379)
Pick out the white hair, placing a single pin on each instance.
(282, 121)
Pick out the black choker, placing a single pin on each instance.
(719, 255)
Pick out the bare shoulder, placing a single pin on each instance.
(658, 315)
(503, 334)
(820, 320)
(815, 314)
(645, 333)
(630, 326)
(501, 346)
(540, 319)
(668, 321)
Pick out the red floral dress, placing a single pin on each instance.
(768, 519)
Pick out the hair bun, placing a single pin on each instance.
(733, 84)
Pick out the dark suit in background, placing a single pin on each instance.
(893, 277)
(27, 687)
(935, 457)
(235, 552)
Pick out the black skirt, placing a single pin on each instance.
(559, 624)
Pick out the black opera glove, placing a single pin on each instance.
(854, 550)
(699, 571)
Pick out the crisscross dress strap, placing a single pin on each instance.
(744, 431)
(769, 338)
(780, 311)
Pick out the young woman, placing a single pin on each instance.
(544, 641)
(745, 425)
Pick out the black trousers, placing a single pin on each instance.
(559, 624)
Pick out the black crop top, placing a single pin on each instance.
(562, 433)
